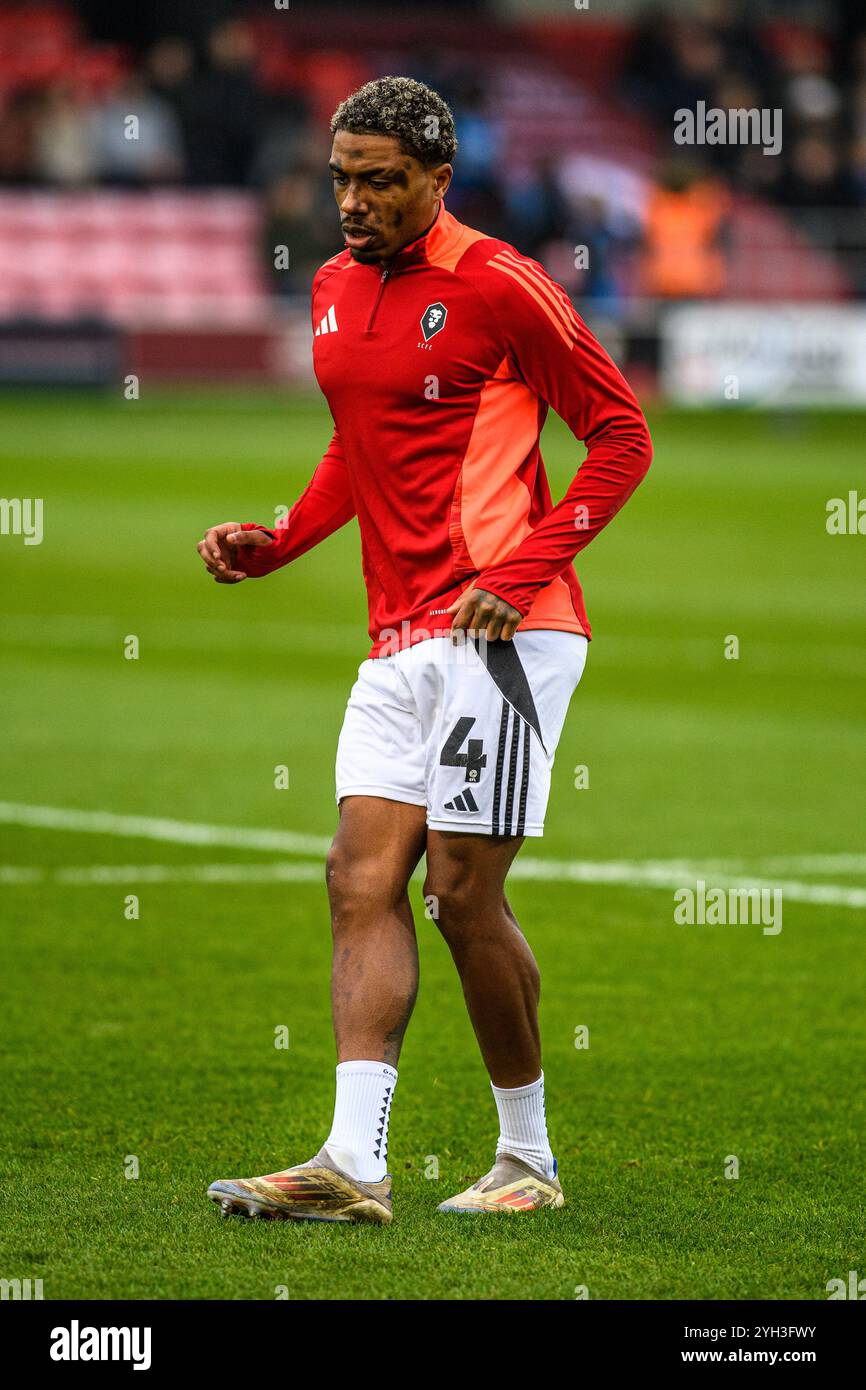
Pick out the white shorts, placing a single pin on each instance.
(469, 731)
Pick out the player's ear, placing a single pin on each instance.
(442, 176)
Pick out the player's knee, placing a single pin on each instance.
(343, 879)
(359, 886)
(457, 902)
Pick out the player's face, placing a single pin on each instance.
(386, 198)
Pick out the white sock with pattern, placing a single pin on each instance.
(523, 1126)
(358, 1142)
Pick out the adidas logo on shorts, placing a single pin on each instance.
(465, 801)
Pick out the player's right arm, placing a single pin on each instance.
(233, 552)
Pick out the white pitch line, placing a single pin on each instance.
(531, 870)
(668, 874)
(175, 832)
(817, 863)
(12, 873)
(659, 875)
(112, 875)
(190, 873)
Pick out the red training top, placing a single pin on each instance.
(439, 370)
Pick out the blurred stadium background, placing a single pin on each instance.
(159, 253)
(729, 285)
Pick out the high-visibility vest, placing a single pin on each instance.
(682, 257)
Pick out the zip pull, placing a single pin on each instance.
(386, 271)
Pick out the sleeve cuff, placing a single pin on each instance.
(517, 599)
(254, 526)
(256, 561)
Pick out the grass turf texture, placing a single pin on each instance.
(155, 1037)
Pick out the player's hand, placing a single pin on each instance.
(220, 546)
(480, 612)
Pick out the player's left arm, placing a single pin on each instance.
(565, 365)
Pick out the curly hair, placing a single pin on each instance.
(402, 107)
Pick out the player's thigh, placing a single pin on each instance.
(380, 751)
(378, 844)
(380, 792)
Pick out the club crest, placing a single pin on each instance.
(433, 320)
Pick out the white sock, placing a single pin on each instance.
(522, 1125)
(358, 1142)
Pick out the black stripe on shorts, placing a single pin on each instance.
(517, 726)
(500, 759)
(521, 814)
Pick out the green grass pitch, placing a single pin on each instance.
(153, 1038)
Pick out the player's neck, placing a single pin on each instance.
(419, 236)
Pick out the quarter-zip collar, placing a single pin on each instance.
(442, 244)
(415, 251)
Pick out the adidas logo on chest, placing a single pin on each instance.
(328, 324)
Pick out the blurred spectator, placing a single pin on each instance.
(224, 109)
(815, 175)
(64, 150)
(608, 240)
(288, 141)
(477, 194)
(672, 64)
(169, 67)
(736, 24)
(808, 91)
(136, 138)
(537, 208)
(480, 135)
(683, 236)
(734, 91)
(296, 223)
(857, 108)
(169, 70)
(479, 206)
(19, 136)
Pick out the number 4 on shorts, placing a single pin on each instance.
(474, 759)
